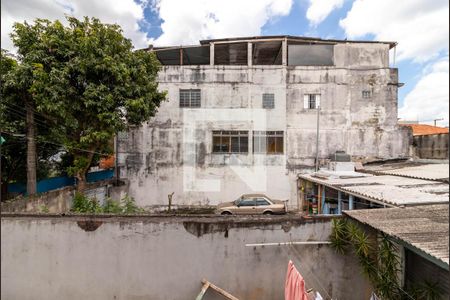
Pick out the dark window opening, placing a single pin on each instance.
(268, 101)
(230, 54)
(190, 98)
(268, 142)
(310, 55)
(267, 53)
(366, 94)
(230, 141)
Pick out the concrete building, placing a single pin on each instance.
(242, 117)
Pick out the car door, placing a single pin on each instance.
(261, 205)
(246, 206)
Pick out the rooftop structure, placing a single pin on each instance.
(386, 190)
(423, 129)
(428, 237)
(427, 171)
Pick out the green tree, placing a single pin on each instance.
(17, 104)
(88, 78)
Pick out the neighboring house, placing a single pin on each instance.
(429, 142)
(422, 248)
(242, 114)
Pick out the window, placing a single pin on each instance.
(230, 141)
(268, 101)
(268, 142)
(247, 202)
(261, 202)
(190, 98)
(311, 101)
(366, 94)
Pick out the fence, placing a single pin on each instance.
(54, 183)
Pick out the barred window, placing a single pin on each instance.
(366, 94)
(268, 101)
(230, 141)
(268, 142)
(190, 98)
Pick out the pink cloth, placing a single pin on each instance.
(294, 288)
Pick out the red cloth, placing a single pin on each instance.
(294, 288)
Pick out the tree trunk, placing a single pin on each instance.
(81, 174)
(31, 150)
(81, 181)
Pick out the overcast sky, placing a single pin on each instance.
(419, 26)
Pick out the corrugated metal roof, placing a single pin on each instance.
(386, 189)
(427, 171)
(424, 228)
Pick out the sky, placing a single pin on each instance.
(420, 27)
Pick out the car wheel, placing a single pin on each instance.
(268, 213)
(225, 213)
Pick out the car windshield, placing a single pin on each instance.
(237, 201)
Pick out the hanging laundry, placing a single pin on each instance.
(294, 288)
(318, 296)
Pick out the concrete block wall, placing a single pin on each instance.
(167, 257)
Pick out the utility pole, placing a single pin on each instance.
(435, 120)
(317, 140)
(31, 150)
(116, 159)
(1, 177)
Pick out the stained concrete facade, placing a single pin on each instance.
(173, 152)
(144, 257)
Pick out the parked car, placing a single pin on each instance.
(253, 204)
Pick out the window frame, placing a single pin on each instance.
(261, 147)
(308, 99)
(268, 98)
(188, 103)
(230, 136)
(366, 94)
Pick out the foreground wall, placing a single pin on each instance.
(167, 257)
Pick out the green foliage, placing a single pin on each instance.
(16, 80)
(378, 259)
(44, 209)
(87, 77)
(83, 204)
(129, 205)
(112, 207)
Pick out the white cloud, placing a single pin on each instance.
(429, 99)
(126, 13)
(318, 10)
(187, 22)
(419, 26)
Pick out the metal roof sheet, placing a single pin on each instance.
(429, 235)
(426, 171)
(387, 189)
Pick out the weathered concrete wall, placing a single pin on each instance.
(57, 201)
(157, 156)
(433, 146)
(166, 258)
